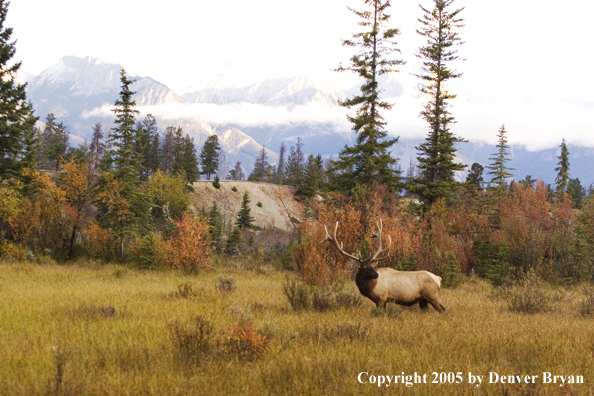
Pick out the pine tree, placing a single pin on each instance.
(474, 180)
(369, 160)
(96, 149)
(260, 172)
(576, 192)
(313, 177)
(244, 219)
(148, 146)
(55, 142)
(499, 169)
(215, 221)
(295, 164)
(209, 156)
(122, 206)
(16, 112)
(436, 159)
(167, 151)
(184, 156)
(31, 148)
(562, 179)
(279, 177)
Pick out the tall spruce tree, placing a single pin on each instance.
(562, 179)
(166, 158)
(209, 156)
(294, 167)
(312, 178)
(369, 160)
(500, 172)
(244, 218)
(436, 155)
(260, 172)
(499, 168)
(184, 156)
(474, 180)
(148, 146)
(122, 205)
(279, 177)
(96, 149)
(16, 112)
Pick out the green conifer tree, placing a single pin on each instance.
(279, 177)
(96, 149)
(209, 156)
(147, 146)
(244, 218)
(295, 164)
(499, 168)
(216, 227)
(125, 178)
(474, 180)
(261, 166)
(436, 160)
(184, 156)
(313, 177)
(562, 179)
(369, 160)
(16, 112)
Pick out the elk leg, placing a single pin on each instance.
(437, 305)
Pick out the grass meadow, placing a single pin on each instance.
(91, 329)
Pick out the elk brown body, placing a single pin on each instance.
(385, 285)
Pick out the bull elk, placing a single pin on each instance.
(385, 285)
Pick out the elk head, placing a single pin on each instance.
(366, 266)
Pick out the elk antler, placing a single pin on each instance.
(338, 247)
(379, 248)
(370, 259)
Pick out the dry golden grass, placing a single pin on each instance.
(98, 330)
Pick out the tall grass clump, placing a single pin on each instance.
(586, 305)
(530, 296)
(194, 340)
(297, 293)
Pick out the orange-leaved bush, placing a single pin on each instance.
(190, 244)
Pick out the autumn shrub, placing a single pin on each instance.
(526, 227)
(322, 300)
(226, 284)
(245, 342)
(190, 244)
(98, 242)
(186, 290)
(150, 252)
(168, 193)
(194, 340)
(530, 296)
(297, 293)
(310, 256)
(571, 249)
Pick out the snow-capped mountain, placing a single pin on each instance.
(80, 92)
(288, 91)
(74, 85)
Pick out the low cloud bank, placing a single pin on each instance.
(534, 124)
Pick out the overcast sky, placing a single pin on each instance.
(527, 65)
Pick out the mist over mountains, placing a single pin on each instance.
(246, 116)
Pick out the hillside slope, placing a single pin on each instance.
(272, 213)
